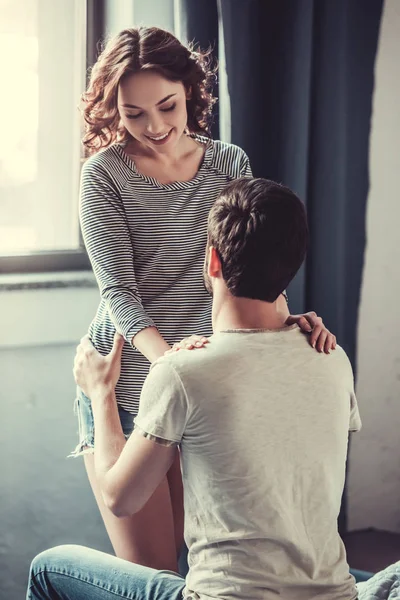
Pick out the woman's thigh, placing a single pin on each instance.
(75, 572)
(146, 538)
(174, 477)
(154, 536)
(84, 414)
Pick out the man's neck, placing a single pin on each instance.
(243, 313)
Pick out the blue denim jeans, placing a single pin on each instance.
(83, 410)
(78, 573)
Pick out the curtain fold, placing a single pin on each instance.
(198, 22)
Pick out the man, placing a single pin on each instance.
(262, 423)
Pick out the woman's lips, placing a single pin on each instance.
(158, 140)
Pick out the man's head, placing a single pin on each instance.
(258, 230)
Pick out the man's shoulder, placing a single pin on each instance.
(191, 362)
(336, 364)
(222, 350)
(300, 343)
(340, 360)
(188, 359)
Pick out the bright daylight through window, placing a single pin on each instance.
(42, 64)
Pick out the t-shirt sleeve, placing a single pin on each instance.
(164, 408)
(108, 242)
(245, 168)
(355, 419)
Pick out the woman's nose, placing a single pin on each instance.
(155, 125)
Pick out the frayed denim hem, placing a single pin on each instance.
(86, 446)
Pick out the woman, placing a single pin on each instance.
(145, 199)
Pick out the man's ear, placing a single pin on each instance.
(214, 263)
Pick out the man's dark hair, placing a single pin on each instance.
(259, 230)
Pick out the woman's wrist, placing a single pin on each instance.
(150, 343)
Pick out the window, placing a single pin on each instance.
(43, 61)
(45, 48)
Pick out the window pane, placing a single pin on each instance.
(156, 14)
(42, 58)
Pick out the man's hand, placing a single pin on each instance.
(94, 373)
(320, 337)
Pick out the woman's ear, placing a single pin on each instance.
(189, 93)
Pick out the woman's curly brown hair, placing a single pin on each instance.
(139, 49)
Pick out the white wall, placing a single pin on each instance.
(45, 498)
(374, 477)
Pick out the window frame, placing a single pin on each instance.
(62, 260)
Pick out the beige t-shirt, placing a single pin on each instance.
(263, 421)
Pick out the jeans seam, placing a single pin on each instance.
(34, 576)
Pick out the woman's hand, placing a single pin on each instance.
(320, 337)
(189, 343)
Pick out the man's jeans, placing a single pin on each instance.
(78, 573)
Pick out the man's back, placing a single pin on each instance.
(265, 423)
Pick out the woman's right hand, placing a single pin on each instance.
(189, 343)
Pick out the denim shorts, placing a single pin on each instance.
(83, 410)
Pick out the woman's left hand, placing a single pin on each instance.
(320, 337)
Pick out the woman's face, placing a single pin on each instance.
(153, 110)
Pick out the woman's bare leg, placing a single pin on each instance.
(174, 477)
(146, 538)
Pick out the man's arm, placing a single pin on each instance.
(128, 472)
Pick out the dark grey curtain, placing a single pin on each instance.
(300, 78)
(199, 23)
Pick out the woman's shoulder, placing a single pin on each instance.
(227, 147)
(107, 165)
(104, 159)
(230, 159)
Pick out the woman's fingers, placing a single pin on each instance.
(304, 324)
(330, 343)
(193, 341)
(320, 344)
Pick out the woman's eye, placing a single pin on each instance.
(168, 109)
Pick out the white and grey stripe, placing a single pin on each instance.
(146, 243)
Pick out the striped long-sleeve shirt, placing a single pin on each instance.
(146, 242)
